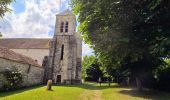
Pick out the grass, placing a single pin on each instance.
(88, 91)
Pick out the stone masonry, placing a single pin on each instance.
(31, 71)
(64, 61)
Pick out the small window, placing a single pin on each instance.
(62, 27)
(29, 67)
(66, 27)
(62, 52)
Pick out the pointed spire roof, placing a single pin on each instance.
(66, 12)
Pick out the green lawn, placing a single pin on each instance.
(88, 91)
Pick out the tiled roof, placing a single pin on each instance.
(25, 43)
(11, 55)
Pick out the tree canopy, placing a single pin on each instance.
(87, 62)
(132, 33)
(4, 7)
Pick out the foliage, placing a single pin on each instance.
(12, 79)
(91, 68)
(163, 77)
(133, 33)
(93, 72)
(87, 61)
(4, 7)
(167, 61)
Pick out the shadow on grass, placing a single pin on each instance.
(92, 86)
(4, 94)
(147, 94)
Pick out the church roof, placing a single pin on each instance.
(66, 12)
(11, 55)
(25, 43)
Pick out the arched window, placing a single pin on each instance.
(66, 27)
(62, 27)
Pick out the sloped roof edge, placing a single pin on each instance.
(11, 55)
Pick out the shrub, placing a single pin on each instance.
(12, 80)
(164, 79)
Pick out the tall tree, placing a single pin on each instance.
(4, 7)
(91, 68)
(87, 62)
(134, 33)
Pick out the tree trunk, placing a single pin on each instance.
(109, 83)
(139, 84)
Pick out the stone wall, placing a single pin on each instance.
(36, 54)
(64, 61)
(32, 75)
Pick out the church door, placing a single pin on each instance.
(59, 79)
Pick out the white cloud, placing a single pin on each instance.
(36, 21)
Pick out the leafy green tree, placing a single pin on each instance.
(94, 72)
(4, 7)
(87, 62)
(91, 68)
(133, 33)
(162, 76)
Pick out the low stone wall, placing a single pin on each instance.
(32, 75)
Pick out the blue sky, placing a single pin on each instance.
(18, 6)
(34, 19)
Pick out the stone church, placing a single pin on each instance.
(64, 61)
(60, 56)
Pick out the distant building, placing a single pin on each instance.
(31, 47)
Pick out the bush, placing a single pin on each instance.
(12, 80)
(164, 79)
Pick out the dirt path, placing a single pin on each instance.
(84, 95)
(90, 95)
(97, 95)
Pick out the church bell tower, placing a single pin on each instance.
(66, 51)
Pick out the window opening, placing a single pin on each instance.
(62, 27)
(29, 67)
(66, 27)
(62, 52)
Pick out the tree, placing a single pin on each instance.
(93, 72)
(87, 62)
(133, 33)
(91, 68)
(4, 7)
